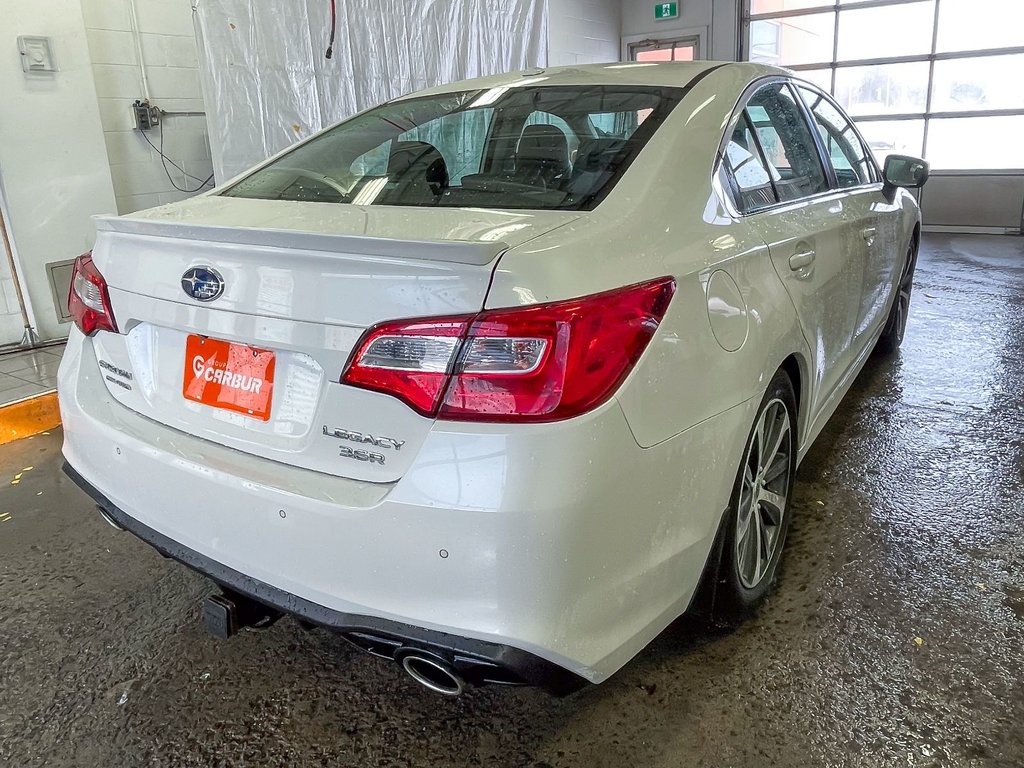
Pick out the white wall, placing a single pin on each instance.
(53, 164)
(583, 31)
(720, 17)
(172, 68)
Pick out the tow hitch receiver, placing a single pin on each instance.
(229, 612)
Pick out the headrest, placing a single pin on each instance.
(543, 143)
(417, 158)
(406, 154)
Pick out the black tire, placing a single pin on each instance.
(739, 592)
(896, 323)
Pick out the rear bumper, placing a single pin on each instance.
(476, 661)
(565, 546)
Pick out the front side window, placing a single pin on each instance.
(844, 147)
(554, 147)
(787, 142)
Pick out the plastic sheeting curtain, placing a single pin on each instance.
(267, 82)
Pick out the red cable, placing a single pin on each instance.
(334, 26)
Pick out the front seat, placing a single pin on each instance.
(417, 174)
(542, 156)
(596, 162)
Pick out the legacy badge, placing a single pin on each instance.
(351, 436)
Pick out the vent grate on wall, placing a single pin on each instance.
(58, 273)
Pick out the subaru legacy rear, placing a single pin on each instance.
(386, 383)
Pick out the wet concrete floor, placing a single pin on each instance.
(894, 639)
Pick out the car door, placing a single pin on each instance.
(870, 229)
(785, 195)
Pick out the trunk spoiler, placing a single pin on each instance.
(454, 251)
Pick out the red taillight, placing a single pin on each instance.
(410, 360)
(540, 363)
(88, 300)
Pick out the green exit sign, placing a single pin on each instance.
(666, 11)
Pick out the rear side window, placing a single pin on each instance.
(786, 142)
(845, 150)
(752, 177)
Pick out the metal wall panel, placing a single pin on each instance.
(974, 199)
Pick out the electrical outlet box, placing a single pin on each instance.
(146, 116)
(36, 54)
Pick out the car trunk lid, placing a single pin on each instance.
(301, 281)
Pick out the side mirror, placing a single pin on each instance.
(903, 171)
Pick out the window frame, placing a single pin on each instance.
(697, 35)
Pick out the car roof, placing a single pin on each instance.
(670, 74)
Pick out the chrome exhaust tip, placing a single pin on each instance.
(110, 521)
(434, 674)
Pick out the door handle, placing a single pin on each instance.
(800, 260)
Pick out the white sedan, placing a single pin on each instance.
(496, 378)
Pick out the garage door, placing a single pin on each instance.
(936, 78)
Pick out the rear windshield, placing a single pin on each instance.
(510, 147)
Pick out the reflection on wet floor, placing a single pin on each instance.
(896, 637)
(28, 373)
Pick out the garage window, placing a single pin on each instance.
(934, 78)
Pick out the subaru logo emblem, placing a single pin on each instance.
(202, 283)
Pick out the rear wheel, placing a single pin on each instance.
(755, 527)
(896, 324)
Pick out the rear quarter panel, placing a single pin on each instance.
(664, 218)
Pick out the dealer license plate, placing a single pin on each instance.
(232, 377)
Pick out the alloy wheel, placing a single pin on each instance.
(903, 298)
(763, 494)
